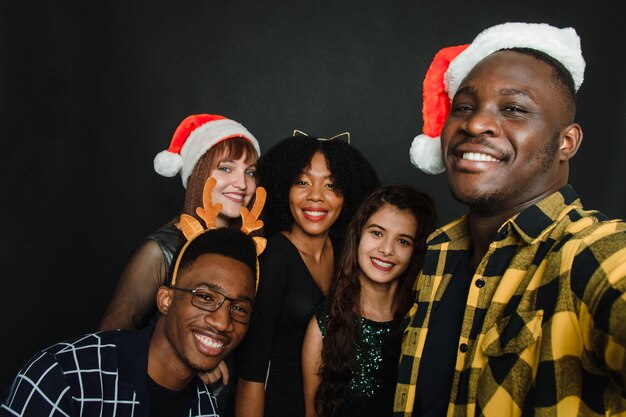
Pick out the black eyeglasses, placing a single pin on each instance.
(211, 300)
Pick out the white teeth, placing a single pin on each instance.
(381, 263)
(205, 340)
(474, 156)
(234, 196)
(314, 213)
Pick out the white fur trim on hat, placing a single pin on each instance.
(561, 44)
(167, 163)
(207, 135)
(426, 154)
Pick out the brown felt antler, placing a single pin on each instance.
(250, 219)
(192, 227)
(209, 212)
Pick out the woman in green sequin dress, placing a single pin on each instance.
(351, 346)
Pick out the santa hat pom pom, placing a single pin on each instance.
(426, 154)
(167, 163)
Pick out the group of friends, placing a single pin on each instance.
(294, 283)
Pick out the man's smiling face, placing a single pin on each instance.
(500, 143)
(201, 339)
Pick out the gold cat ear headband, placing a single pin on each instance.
(192, 228)
(342, 136)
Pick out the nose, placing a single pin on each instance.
(386, 247)
(239, 180)
(316, 192)
(482, 121)
(219, 319)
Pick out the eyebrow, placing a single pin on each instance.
(515, 92)
(468, 90)
(471, 91)
(382, 228)
(240, 297)
(232, 161)
(307, 172)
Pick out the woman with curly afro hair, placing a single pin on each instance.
(352, 344)
(314, 188)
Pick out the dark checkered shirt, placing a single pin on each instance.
(544, 329)
(98, 374)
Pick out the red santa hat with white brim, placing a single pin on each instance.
(451, 65)
(195, 135)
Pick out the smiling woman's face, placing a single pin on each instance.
(235, 185)
(314, 201)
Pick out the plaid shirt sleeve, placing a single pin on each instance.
(39, 388)
(598, 280)
(78, 377)
(81, 378)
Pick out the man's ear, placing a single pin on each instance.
(164, 299)
(571, 138)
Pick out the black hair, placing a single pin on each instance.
(231, 243)
(281, 165)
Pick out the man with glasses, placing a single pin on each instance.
(205, 310)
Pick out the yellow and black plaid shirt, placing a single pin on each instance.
(544, 330)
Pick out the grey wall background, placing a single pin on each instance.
(91, 91)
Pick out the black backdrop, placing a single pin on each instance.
(91, 91)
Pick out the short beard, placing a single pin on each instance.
(480, 202)
(546, 155)
(194, 367)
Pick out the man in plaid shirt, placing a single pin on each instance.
(521, 304)
(152, 372)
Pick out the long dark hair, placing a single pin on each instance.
(339, 360)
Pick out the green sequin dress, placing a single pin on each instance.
(371, 386)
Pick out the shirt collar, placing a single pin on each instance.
(454, 231)
(539, 219)
(531, 224)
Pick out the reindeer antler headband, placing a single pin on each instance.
(192, 228)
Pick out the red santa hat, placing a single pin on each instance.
(451, 65)
(195, 135)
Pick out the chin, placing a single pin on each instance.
(202, 366)
(198, 362)
(475, 198)
(230, 213)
